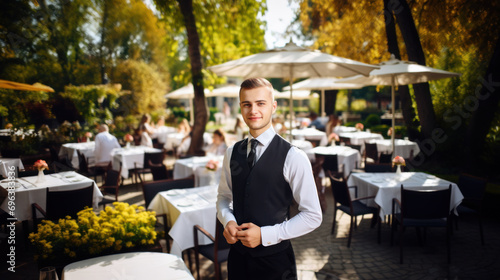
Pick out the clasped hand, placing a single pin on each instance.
(247, 233)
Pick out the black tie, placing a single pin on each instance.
(251, 155)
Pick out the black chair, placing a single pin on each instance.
(159, 171)
(87, 171)
(314, 142)
(111, 185)
(371, 153)
(345, 140)
(352, 207)
(385, 158)
(60, 204)
(151, 189)
(331, 166)
(473, 189)
(378, 167)
(356, 147)
(150, 158)
(217, 251)
(421, 208)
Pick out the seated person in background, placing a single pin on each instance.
(218, 146)
(145, 137)
(333, 121)
(315, 122)
(104, 143)
(184, 145)
(184, 127)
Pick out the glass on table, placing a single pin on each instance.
(48, 273)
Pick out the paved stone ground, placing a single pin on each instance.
(323, 256)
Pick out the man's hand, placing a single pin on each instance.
(249, 235)
(230, 232)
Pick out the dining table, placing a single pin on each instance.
(184, 209)
(161, 133)
(130, 158)
(360, 137)
(69, 150)
(387, 185)
(310, 133)
(8, 165)
(347, 157)
(187, 167)
(29, 190)
(404, 148)
(135, 265)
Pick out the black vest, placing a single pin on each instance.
(261, 195)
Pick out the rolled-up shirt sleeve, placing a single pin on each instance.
(298, 173)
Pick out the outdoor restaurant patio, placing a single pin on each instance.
(118, 118)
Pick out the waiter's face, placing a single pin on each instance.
(257, 107)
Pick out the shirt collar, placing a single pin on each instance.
(265, 138)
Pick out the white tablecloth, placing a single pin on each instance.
(7, 163)
(130, 158)
(310, 134)
(69, 150)
(186, 167)
(345, 155)
(403, 147)
(161, 133)
(139, 265)
(360, 137)
(386, 186)
(186, 208)
(340, 129)
(28, 191)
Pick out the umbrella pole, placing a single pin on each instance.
(291, 103)
(191, 111)
(393, 116)
(323, 103)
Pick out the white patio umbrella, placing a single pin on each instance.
(323, 84)
(396, 72)
(230, 90)
(292, 62)
(186, 92)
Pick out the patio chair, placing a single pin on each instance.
(111, 185)
(378, 167)
(87, 171)
(331, 166)
(352, 207)
(371, 153)
(473, 189)
(60, 204)
(421, 208)
(345, 140)
(159, 171)
(217, 251)
(154, 158)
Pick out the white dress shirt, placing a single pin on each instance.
(104, 144)
(297, 172)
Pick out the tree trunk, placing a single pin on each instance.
(483, 104)
(200, 103)
(330, 101)
(403, 90)
(411, 38)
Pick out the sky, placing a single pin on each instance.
(278, 16)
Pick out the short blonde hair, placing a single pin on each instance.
(256, 83)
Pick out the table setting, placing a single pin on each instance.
(186, 167)
(29, 190)
(310, 133)
(346, 156)
(403, 147)
(69, 150)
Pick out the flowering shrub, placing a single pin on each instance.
(212, 165)
(397, 160)
(115, 229)
(128, 138)
(359, 126)
(41, 165)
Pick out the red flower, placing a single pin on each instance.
(41, 165)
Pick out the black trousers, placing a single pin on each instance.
(279, 266)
